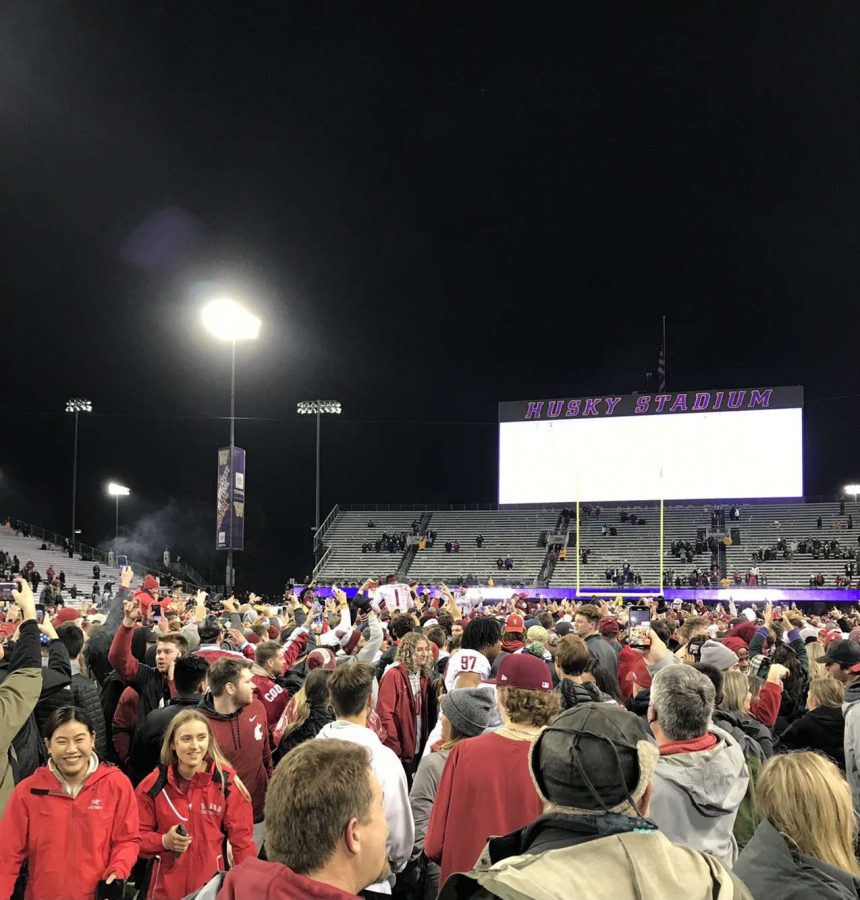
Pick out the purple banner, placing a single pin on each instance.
(602, 407)
(230, 501)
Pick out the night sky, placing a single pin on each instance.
(432, 207)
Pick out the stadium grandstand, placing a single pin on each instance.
(779, 544)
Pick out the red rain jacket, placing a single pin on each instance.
(71, 843)
(207, 816)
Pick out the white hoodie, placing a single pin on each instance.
(389, 770)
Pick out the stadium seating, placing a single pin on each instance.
(517, 532)
(77, 571)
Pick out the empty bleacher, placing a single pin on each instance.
(517, 532)
(77, 571)
(506, 532)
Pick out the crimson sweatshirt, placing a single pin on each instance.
(243, 739)
(486, 790)
(255, 879)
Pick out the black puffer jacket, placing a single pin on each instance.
(86, 696)
(572, 694)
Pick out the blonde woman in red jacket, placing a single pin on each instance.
(187, 806)
(74, 820)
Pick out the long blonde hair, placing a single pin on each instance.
(808, 801)
(814, 652)
(736, 689)
(213, 751)
(827, 692)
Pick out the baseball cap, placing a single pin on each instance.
(515, 623)
(846, 653)
(525, 672)
(608, 625)
(592, 757)
(66, 614)
(462, 662)
(562, 628)
(321, 658)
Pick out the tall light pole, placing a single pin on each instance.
(116, 491)
(76, 405)
(229, 321)
(318, 408)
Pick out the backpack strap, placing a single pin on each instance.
(160, 782)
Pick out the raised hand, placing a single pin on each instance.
(131, 612)
(125, 577)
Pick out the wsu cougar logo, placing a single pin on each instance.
(258, 732)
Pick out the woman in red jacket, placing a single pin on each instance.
(74, 820)
(188, 805)
(402, 705)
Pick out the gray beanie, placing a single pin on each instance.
(718, 655)
(469, 709)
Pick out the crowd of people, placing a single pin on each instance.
(175, 746)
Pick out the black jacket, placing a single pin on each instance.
(770, 868)
(28, 746)
(56, 679)
(573, 694)
(86, 696)
(98, 646)
(318, 717)
(145, 752)
(820, 729)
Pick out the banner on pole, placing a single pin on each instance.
(230, 501)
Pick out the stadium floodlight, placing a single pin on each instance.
(852, 489)
(228, 320)
(116, 491)
(318, 408)
(79, 405)
(76, 406)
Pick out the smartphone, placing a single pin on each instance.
(155, 609)
(6, 588)
(122, 561)
(639, 628)
(180, 830)
(40, 613)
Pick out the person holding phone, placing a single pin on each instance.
(74, 820)
(188, 806)
(21, 684)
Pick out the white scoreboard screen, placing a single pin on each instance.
(714, 444)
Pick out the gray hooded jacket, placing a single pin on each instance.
(697, 795)
(851, 711)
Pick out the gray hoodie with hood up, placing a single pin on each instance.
(697, 795)
(851, 712)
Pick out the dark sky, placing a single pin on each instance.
(432, 207)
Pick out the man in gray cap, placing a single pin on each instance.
(592, 768)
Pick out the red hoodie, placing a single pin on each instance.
(70, 843)
(200, 806)
(255, 879)
(244, 739)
